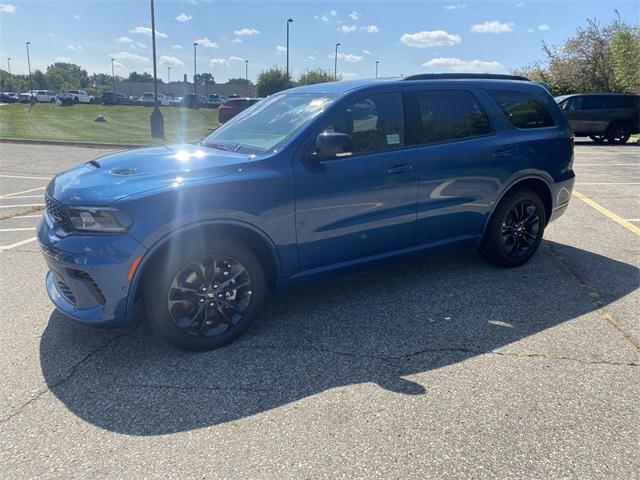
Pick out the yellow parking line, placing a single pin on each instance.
(6, 195)
(17, 244)
(612, 216)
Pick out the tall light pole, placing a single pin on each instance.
(377, 62)
(335, 63)
(157, 120)
(9, 70)
(169, 79)
(113, 77)
(289, 21)
(246, 78)
(29, 66)
(195, 83)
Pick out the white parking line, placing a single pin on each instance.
(17, 229)
(606, 164)
(10, 195)
(24, 205)
(607, 183)
(21, 196)
(17, 244)
(25, 177)
(23, 216)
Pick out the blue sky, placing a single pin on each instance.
(405, 37)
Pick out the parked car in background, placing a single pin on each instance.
(234, 95)
(176, 101)
(116, 98)
(65, 99)
(45, 96)
(233, 107)
(80, 96)
(148, 99)
(300, 189)
(213, 101)
(190, 101)
(8, 97)
(26, 97)
(602, 116)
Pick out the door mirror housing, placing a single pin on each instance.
(331, 145)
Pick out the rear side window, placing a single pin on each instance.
(523, 109)
(450, 115)
(621, 101)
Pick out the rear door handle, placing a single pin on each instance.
(507, 152)
(400, 168)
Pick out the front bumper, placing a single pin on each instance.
(88, 275)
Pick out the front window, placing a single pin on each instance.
(269, 123)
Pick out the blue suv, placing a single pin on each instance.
(308, 182)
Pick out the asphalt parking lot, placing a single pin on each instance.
(440, 367)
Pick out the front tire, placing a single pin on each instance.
(204, 297)
(515, 229)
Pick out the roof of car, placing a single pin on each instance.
(351, 85)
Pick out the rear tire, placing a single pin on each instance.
(201, 297)
(515, 229)
(618, 133)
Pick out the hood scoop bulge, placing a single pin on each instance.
(125, 171)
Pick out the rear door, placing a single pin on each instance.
(463, 158)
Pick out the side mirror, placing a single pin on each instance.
(331, 145)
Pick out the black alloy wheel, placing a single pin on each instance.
(520, 229)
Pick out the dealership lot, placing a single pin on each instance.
(440, 366)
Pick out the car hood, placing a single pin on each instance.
(113, 177)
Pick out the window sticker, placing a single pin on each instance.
(393, 139)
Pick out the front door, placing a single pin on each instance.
(363, 203)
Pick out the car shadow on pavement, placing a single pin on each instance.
(379, 326)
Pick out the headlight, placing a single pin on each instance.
(99, 219)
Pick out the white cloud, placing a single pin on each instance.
(233, 58)
(124, 40)
(492, 27)
(371, 28)
(322, 18)
(455, 6)
(542, 27)
(366, 52)
(74, 47)
(246, 32)
(355, 15)
(458, 65)
(205, 42)
(63, 60)
(520, 4)
(347, 28)
(218, 62)
(147, 31)
(327, 16)
(183, 17)
(281, 49)
(169, 60)
(236, 40)
(435, 38)
(76, 16)
(7, 8)
(130, 56)
(311, 57)
(349, 57)
(333, 13)
(530, 30)
(176, 47)
(135, 45)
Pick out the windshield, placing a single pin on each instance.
(269, 123)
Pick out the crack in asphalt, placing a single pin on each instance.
(72, 371)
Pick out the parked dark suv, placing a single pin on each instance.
(116, 98)
(308, 182)
(602, 116)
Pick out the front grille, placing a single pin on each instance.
(58, 213)
(64, 290)
(91, 285)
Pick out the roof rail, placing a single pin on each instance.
(454, 76)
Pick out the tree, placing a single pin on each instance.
(317, 75)
(625, 56)
(272, 80)
(63, 76)
(140, 77)
(238, 81)
(205, 79)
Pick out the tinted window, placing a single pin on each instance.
(374, 123)
(450, 115)
(620, 101)
(523, 109)
(573, 103)
(593, 102)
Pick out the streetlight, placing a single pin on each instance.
(157, 120)
(113, 77)
(29, 65)
(169, 79)
(195, 83)
(288, 22)
(246, 78)
(9, 70)
(335, 63)
(377, 62)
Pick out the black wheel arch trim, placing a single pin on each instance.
(161, 242)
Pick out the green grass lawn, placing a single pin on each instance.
(125, 124)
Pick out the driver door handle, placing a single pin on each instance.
(400, 168)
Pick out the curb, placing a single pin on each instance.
(65, 143)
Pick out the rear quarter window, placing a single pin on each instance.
(523, 109)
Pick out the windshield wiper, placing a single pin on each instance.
(224, 146)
